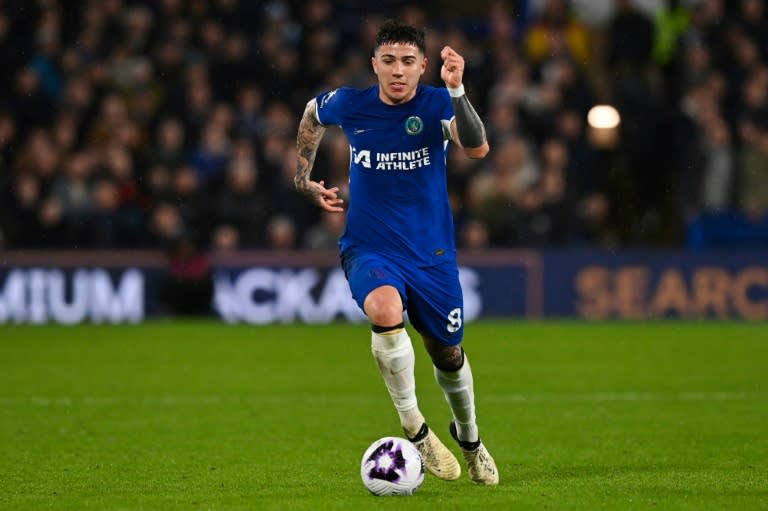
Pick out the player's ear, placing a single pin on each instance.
(423, 65)
(375, 65)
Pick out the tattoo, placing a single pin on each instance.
(468, 124)
(445, 358)
(307, 142)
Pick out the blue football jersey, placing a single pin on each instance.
(398, 203)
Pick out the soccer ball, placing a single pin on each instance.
(392, 466)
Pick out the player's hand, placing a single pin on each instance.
(452, 71)
(326, 198)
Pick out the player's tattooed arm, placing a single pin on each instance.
(307, 142)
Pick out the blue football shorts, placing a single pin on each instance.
(431, 295)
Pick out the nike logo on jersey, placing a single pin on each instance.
(358, 131)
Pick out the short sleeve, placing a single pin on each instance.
(330, 107)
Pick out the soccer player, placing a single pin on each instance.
(398, 249)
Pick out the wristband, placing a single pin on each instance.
(456, 92)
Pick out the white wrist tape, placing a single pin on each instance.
(456, 92)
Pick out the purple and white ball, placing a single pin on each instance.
(392, 466)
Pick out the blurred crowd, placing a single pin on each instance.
(136, 124)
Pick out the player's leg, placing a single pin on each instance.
(393, 351)
(378, 289)
(454, 375)
(436, 311)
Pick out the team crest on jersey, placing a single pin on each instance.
(414, 125)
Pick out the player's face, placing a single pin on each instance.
(399, 68)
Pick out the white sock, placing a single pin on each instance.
(394, 355)
(459, 391)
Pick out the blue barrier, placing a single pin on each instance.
(727, 229)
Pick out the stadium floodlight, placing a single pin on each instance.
(603, 121)
(603, 117)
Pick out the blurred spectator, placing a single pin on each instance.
(187, 288)
(190, 200)
(7, 146)
(592, 223)
(168, 148)
(474, 235)
(281, 233)
(754, 178)
(209, 158)
(671, 22)
(11, 56)
(571, 80)
(708, 28)
(30, 105)
(248, 116)
(157, 184)
(65, 131)
(20, 211)
(198, 100)
(325, 235)
(632, 36)
(165, 226)
(72, 190)
(103, 224)
(707, 157)
(556, 33)
(585, 172)
(113, 112)
(511, 172)
(52, 226)
(751, 20)
(243, 205)
(541, 214)
(225, 238)
(711, 181)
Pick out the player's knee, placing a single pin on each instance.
(449, 358)
(384, 308)
(385, 314)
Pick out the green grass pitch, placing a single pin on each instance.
(202, 415)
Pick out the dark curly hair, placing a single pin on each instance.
(393, 31)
